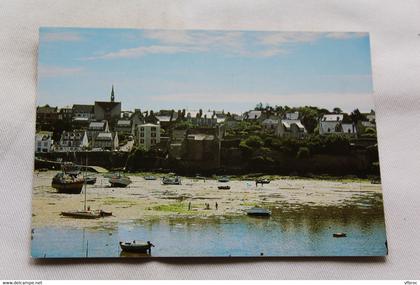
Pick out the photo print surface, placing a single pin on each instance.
(191, 143)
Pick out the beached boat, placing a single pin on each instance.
(258, 212)
(68, 183)
(150, 178)
(171, 180)
(90, 180)
(223, 187)
(119, 181)
(86, 214)
(262, 181)
(339, 235)
(223, 179)
(136, 247)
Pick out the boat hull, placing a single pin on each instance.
(135, 248)
(68, 188)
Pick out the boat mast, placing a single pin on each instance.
(84, 184)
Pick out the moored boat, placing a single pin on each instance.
(136, 247)
(262, 181)
(171, 180)
(90, 180)
(88, 214)
(258, 212)
(223, 187)
(150, 178)
(119, 181)
(68, 183)
(223, 179)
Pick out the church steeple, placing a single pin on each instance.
(112, 94)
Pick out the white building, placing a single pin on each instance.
(290, 129)
(149, 135)
(333, 124)
(43, 142)
(73, 141)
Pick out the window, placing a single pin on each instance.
(329, 130)
(142, 141)
(153, 129)
(142, 129)
(142, 134)
(153, 135)
(153, 141)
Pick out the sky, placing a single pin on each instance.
(211, 70)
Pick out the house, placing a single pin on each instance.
(97, 127)
(270, 124)
(46, 116)
(65, 114)
(252, 115)
(292, 116)
(124, 127)
(73, 141)
(105, 141)
(289, 128)
(137, 118)
(108, 110)
(148, 135)
(43, 142)
(83, 112)
(333, 124)
(201, 148)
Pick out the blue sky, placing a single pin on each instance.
(229, 70)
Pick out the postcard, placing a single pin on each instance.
(205, 143)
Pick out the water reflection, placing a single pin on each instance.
(292, 230)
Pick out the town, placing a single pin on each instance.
(280, 139)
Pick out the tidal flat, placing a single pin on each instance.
(305, 214)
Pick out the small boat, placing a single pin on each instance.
(223, 187)
(136, 247)
(171, 180)
(339, 235)
(223, 179)
(90, 180)
(262, 181)
(88, 214)
(120, 181)
(258, 212)
(150, 178)
(68, 183)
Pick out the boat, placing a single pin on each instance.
(86, 214)
(262, 181)
(90, 180)
(339, 235)
(223, 187)
(258, 212)
(119, 181)
(68, 183)
(150, 178)
(223, 179)
(171, 180)
(136, 247)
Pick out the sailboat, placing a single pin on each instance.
(86, 213)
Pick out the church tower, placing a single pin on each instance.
(112, 94)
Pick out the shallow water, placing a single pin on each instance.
(291, 231)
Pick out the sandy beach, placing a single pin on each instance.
(148, 200)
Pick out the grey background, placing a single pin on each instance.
(395, 45)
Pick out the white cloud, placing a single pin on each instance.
(345, 35)
(346, 101)
(58, 36)
(265, 44)
(143, 50)
(53, 71)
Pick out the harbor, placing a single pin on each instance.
(304, 216)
